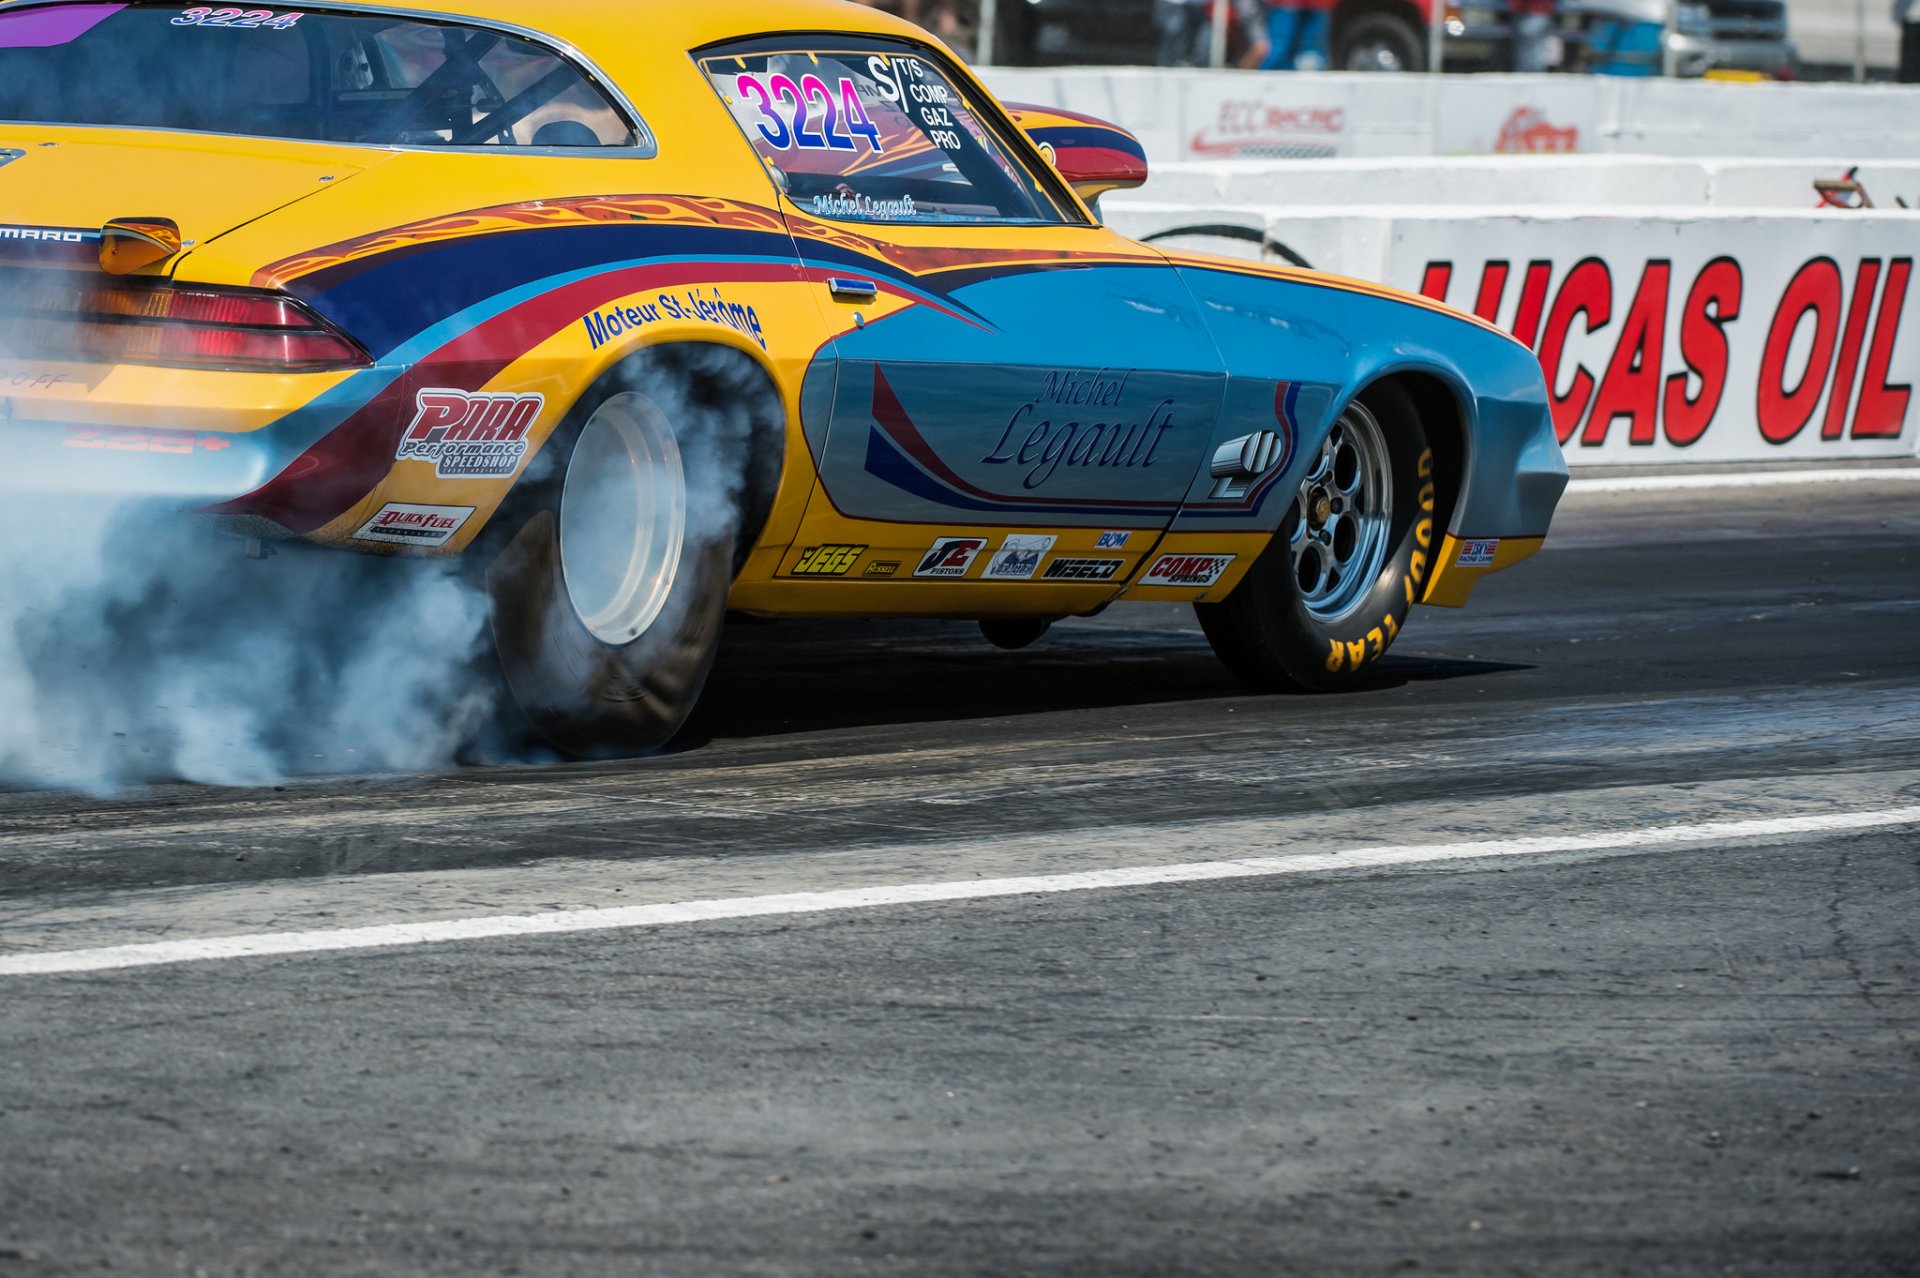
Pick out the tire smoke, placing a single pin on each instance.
(138, 645)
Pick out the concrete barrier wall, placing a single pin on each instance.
(1594, 182)
(1219, 115)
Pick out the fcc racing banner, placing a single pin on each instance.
(1711, 339)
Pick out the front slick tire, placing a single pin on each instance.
(610, 593)
(1333, 588)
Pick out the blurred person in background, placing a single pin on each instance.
(1250, 21)
(1297, 35)
(1182, 27)
(1907, 14)
(954, 21)
(1535, 47)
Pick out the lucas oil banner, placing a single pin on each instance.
(1712, 339)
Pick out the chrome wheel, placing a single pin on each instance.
(1342, 517)
(623, 518)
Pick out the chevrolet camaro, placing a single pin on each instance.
(651, 312)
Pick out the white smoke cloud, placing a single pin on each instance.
(140, 644)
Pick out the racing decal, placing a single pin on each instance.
(882, 568)
(709, 305)
(842, 120)
(861, 206)
(950, 557)
(1045, 446)
(403, 524)
(827, 561)
(1018, 558)
(1112, 541)
(47, 234)
(470, 436)
(1723, 346)
(1478, 554)
(1042, 456)
(1083, 569)
(141, 439)
(41, 244)
(1251, 127)
(1187, 570)
(237, 19)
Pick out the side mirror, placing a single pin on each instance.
(1093, 156)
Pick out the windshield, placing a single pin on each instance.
(321, 77)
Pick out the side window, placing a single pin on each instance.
(864, 135)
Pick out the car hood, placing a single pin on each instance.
(82, 178)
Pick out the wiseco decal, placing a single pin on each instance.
(470, 436)
(1187, 570)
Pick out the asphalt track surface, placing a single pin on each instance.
(1691, 1056)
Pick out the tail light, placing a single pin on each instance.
(71, 315)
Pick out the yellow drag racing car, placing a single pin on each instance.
(654, 310)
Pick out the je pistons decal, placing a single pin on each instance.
(1186, 570)
(406, 525)
(470, 436)
(950, 557)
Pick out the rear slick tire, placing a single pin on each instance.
(1333, 588)
(610, 592)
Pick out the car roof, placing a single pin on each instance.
(675, 23)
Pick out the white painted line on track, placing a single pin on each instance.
(1742, 479)
(387, 936)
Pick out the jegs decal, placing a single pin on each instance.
(470, 436)
(827, 561)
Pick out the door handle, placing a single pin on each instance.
(851, 290)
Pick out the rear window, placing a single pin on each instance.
(322, 77)
(874, 134)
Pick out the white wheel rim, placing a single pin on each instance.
(623, 518)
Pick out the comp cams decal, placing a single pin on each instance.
(470, 436)
(1018, 558)
(1187, 570)
(950, 557)
(402, 524)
